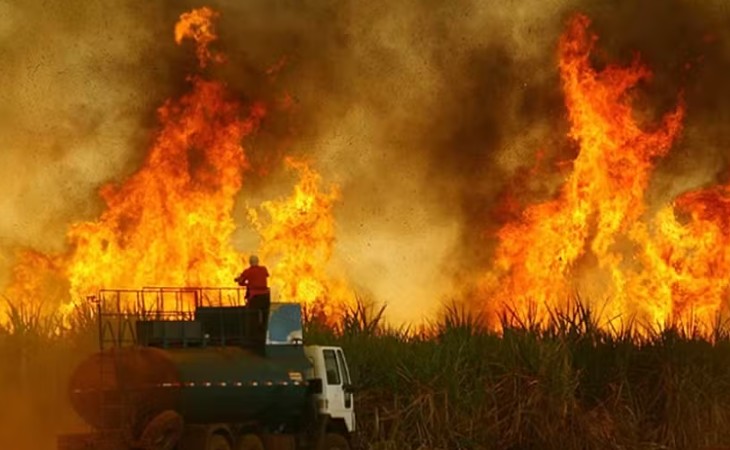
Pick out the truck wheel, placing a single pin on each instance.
(218, 442)
(250, 442)
(162, 432)
(334, 441)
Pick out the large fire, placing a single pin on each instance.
(171, 222)
(300, 235)
(597, 239)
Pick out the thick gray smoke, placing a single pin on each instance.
(78, 85)
(425, 112)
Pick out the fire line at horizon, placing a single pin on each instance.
(171, 222)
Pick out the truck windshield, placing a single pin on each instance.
(330, 365)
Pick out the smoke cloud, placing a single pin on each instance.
(426, 113)
(76, 98)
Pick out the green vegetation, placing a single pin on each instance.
(452, 385)
(566, 386)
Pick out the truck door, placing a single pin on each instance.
(348, 410)
(335, 392)
(338, 376)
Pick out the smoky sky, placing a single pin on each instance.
(424, 112)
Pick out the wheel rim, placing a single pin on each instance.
(163, 431)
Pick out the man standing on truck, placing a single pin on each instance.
(254, 278)
(257, 294)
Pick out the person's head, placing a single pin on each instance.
(253, 260)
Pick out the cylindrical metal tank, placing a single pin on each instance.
(127, 387)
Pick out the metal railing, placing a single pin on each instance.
(118, 310)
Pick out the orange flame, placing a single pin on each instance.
(197, 25)
(580, 240)
(171, 223)
(300, 235)
(687, 259)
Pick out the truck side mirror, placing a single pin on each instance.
(348, 388)
(315, 386)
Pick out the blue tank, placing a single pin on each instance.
(217, 368)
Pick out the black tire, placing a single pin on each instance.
(334, 441)
(163, 432)
(218, 442)
(250, 442)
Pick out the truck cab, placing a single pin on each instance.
(333, 387)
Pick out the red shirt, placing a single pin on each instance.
(254, 278)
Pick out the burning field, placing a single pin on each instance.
(171, 222)
(588, 215)
(541, 186)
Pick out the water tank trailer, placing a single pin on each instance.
(209, 378)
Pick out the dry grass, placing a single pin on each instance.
(38, 352)
(566, 385)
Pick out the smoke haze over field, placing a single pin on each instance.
(423, 112)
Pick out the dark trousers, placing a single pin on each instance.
(260, 303)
